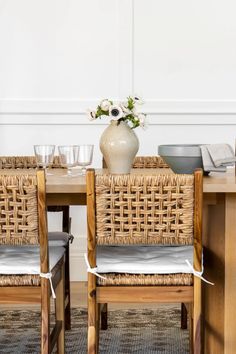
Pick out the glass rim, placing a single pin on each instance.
(91, 145)
(59, 146)
(45, 145)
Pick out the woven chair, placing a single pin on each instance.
(57, 238)
(25, 273)
(144, 162)
(144, 211)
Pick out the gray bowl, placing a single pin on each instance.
(182, 158)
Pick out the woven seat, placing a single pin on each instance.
(29, 162)
(145, 279)
(24, 249)
(156, 210)
(20, 280)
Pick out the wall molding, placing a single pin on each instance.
(79, 107)
(73, 112)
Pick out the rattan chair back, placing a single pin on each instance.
(149, 162)
(144, 209)
(18, 210)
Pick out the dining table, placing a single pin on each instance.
(219, 242)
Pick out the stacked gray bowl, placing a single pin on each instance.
(182, 158)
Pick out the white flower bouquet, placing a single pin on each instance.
(122, 111)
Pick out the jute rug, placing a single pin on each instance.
(130, 331)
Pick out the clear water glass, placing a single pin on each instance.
(85, 157)
(68, 155)
(44, 155)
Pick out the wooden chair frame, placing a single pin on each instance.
(98, 295)
(41, 294)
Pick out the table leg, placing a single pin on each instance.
(219, 301)
(213, 296)
(230, 274)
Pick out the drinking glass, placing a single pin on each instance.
(85, 157)
(68, 155)
(44, 155)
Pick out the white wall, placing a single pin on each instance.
(59, 57)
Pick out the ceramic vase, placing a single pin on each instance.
(119, 145)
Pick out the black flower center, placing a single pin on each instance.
(115, 112)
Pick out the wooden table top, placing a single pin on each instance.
(216, 182)
(220, 182)
(58, 182)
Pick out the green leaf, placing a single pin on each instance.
(101, 112)
(130, 102)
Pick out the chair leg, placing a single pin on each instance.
(66, 226)
(60, 312)
(45, 316)
(197, 316)
(184, 316)
(92, 312)
(67, 290)
(104, 316)
(97, 326)
(190, 315)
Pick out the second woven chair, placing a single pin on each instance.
(144, 212)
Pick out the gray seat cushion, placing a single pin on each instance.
(144, 259)
(26, 259)
(57, 238)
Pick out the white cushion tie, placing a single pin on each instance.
(92, 270)
(198, 274)
(49, 276)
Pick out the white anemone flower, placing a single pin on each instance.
(125, 109)
(105, 105)
(116, 112)
(91, 115)
(142, 120)
(137, 99)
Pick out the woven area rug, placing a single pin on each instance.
(130, 331)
